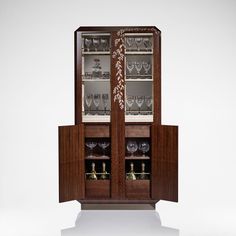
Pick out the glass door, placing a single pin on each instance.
(139, 77)
(96, 97)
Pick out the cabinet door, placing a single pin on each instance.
(164, 182)
(71, 163)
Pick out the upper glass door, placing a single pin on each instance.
(96, 97)
(139, 77)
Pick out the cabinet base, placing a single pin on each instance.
(117, 206)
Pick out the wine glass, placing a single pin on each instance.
(91, 145)
(103, 145)
(148, 101)
(138, 66)
(129, 42)
(96, 43)
(130, 66)
(132, 147)
(88, 43)
(146, 66)
(147, 43)
(105, 98)
(88, 101)
(129, 102)
(96, 101)
(138, 42)
(104, 44)
(139, 101)
(144, 147)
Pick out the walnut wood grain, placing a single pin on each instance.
(141, 131)
(71, 163)
(97, 189)
(137, 189)
(97, 131)
(164, 178)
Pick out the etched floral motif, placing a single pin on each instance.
(118, 54)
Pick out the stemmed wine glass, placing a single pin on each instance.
(138, 66)
(91, 145)
(96, 43)
(88, 100)
(129, 102)
(138, 42)
(132, 147)
(144, 147)
(130, 66)
(105, 99)
(103, 145)
(147, 43)
(96, 101)
(146, 66)
(130, 42)
(139, 101)
(88, 43)
(148, 101)
(104, 44)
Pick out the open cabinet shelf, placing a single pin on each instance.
(118, 151)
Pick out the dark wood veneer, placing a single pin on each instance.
(97, 189)
(141, 131)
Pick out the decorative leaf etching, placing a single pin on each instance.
(118, 54)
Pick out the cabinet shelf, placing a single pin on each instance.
(138, 118)
(138, 52)
(137, 158)
(96, 53)
(96, 80)
(96, 118)
(97, 158)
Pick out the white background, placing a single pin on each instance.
(36, 96)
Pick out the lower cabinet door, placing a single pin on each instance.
(164, 182)
(71, 163)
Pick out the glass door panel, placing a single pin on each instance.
(96, 97)
(139, 77)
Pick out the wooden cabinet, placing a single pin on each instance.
(118, 152)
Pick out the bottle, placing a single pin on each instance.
(143, 175)
(93, 175)
(104, 173)
(131, 174)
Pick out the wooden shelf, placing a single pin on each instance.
(96, 80)
(97, 158)
(138, 52)
(96, 53)
(137, 158)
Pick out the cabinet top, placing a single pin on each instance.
(116, 28)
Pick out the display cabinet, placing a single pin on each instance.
(118, 153)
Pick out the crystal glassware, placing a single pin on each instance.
(103, 145)
(146, 67)
(129, 43)
(96, 43)
(138, 66)
(139, 101)
(132, 147)
(148, 102)
(88, 101)
(105, 98)
(144, 147)
(129, 102)
(104, 44)
(130, 66)
(87, 43)
(96, 101)
(91, 145)
(147, 43)
(138, 42)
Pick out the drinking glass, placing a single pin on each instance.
(130, 66)
(132, 147)
(148, 101)
(129, 42)
(103, 145)
(96, 101)
(144, 147)
(147, 43)
(129, 102)
(91, 145)
(88, 101)
(146, 67)
(139, 101)
(104, 44)
(88, 43)
(105, 98)
(96, 43)
(138, 42)
(138, 66)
